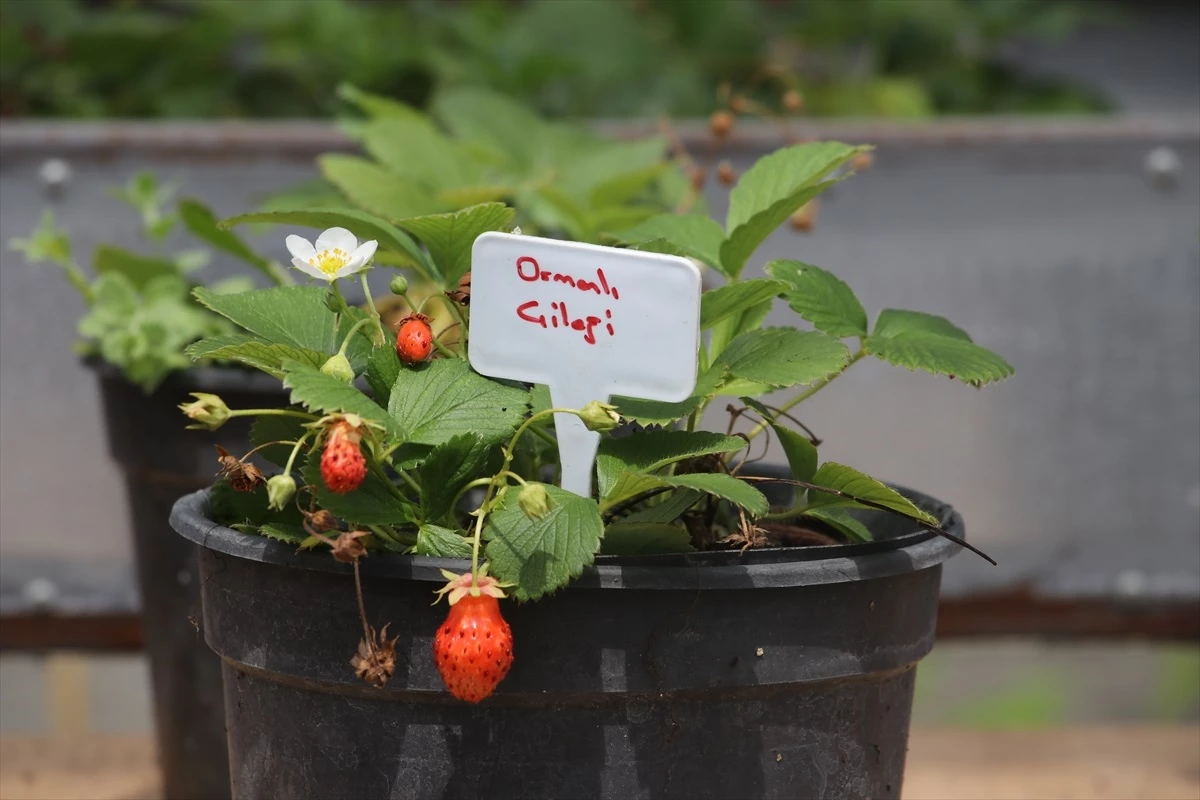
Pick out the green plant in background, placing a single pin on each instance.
(140, 314)
(476, 146)
(438, 183)
(585, 58)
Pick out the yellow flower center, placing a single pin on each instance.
(330, 261)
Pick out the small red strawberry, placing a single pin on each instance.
(473, 648)
(343, 466)
(414, 339)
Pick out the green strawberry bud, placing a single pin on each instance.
(599, 417)
(399, 285)
(534, 500)
(280, 489)
(338, 366)
(208, 410)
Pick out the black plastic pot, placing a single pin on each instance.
(777, 673)
(160, 459)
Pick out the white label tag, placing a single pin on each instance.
(590, 322)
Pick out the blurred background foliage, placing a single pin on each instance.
(581, 58)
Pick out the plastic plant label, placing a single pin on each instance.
(587, 321)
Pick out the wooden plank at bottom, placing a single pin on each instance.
(1136, 762)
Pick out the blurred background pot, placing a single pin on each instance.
(160, 459)
(774, 673)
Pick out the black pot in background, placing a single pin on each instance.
(777, 673)
(161, 459)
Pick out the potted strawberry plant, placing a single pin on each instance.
(141, 328)
(692, 627)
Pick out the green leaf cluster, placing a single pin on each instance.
(476, 161)
(463, 466)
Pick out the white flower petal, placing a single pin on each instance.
(337, 239)
(363, 254)
(300, 247)
(349, 269)
(309, 269)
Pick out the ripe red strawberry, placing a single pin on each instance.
(343, 466)
(414, 339)
(473, 648)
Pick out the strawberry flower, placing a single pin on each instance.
(336, 254)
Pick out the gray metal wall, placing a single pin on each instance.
(1046, 241)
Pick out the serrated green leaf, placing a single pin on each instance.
(897, 322)
(821, 298)
(644, 538)
(542, 555)
(736, 299)
(322, 393)
(783, 356)
(508, 129)
(439, 400)
(771, 190)
(439, 542)
(693, 235)
(654, 412)
(363, 225)
(413, 148)
(284, 532)
(840, 520)
(735, 325)
(667, 510)
(463, 196)
(253, 352)
(852, 482)
(372, 503)
(718, 484)
(647, 451)
(139, 269)
(376, 105)
(451, 466)
(929, 343)
(232, 509)
(377, 190)
(200, 220)
(449, 237)
(800, 451)
(276, 428)
(613, 173)
(383, 368)
(624, 187)
(941, 355)
(290, 315)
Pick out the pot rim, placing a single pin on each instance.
(756, 569)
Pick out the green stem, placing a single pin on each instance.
(807, 393)
(350, 334)
(272, 412)
(78, 279)
(446, 351)
(383, 533)
(287, 470)
(374, 311)
(544, 435)
(456, 312)
(495, 480)
(343, 307)
(416, 487)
